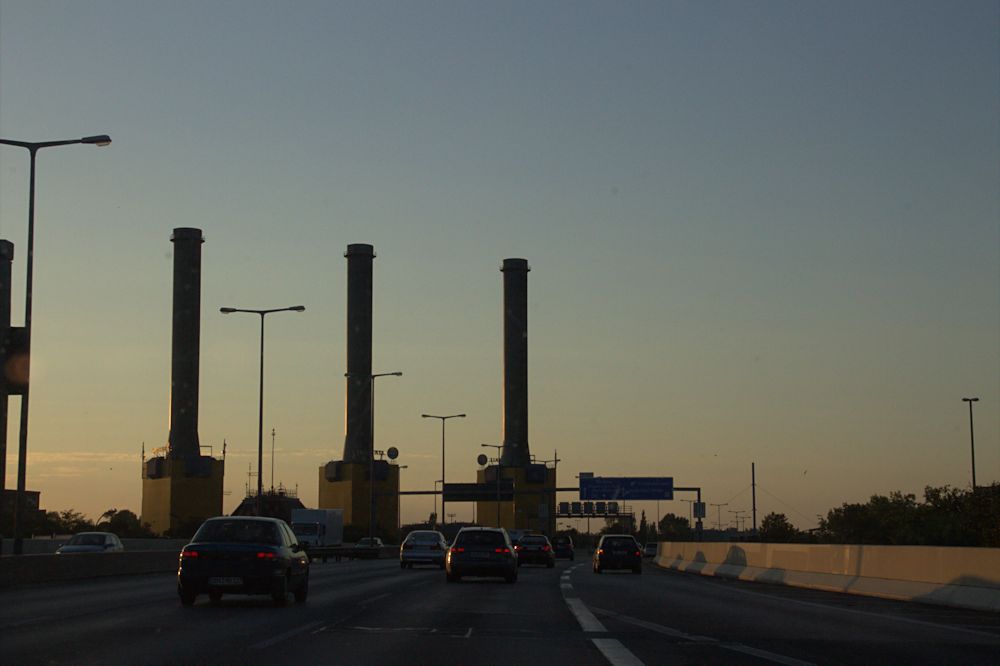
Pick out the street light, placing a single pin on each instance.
(443, 419)
(972, 441)
(436, 482)
(260, 411)
(718, 524)
(399, 505)
(22, 448)
(371, 458)
(499, 448)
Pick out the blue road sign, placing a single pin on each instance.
(626, 487)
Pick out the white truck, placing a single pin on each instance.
(318, 529)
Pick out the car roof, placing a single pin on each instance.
(482, 529)
(267, 518)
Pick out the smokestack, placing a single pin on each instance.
(515, 363)
(186, 344)
(358, 425)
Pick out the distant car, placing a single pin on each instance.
(422, 547)
(92, 542)
(481, 551)
(649, 550)
(617, 551)
(562, 546)
(243, 555)
(368, 548)
(535, 549)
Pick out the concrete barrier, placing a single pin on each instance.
(963, 577)
(27, 569)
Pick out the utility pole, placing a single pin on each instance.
(972, 441)
(753, 484)
(718, 522)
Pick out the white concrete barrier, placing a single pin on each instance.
(964, 577)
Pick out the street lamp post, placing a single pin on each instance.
(399, 505)
(371, 458)
(499, 448)
(972, 441)
(443, 419)
(22, 449)
(436, 482)
(718, 524)
(260, 410)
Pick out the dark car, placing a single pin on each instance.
(422, 547)
(649, 550)
(243, 555)
(481, 551)
(618, 551)
(562, 546)
(535, 549)
(92, 542)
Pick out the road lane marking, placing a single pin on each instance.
(583, 615)
(854, 611)
(288, 634)
(566, 586)
(468, 634)
(733, 647)
(616, 653)
(367, 602)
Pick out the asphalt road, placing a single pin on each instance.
(371, 612)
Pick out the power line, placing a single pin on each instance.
(785, 503)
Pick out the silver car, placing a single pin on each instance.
(92, 542)
(422, 547)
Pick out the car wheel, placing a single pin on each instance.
(215, 596)
(550, 565)
(187, 595)
(637, 570)
(303, 591)
(597, 568)
(280, 592)
(571, 558)
(452, 578)
(402, 565)
(511, 578)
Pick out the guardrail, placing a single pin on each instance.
(963, 577)
(41, 568)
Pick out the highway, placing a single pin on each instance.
(371, 612)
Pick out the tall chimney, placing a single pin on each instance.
(186, 342)
(515, 363)
(357, 418)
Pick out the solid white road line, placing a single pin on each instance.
(616, 653)
(583, 615)
(705, 640)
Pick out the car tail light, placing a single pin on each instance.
(186, 554)
(638, 554)
(600, 551)
(545, 549)
(517, 547)
(266, 555)
(505, 549)
(458, 549)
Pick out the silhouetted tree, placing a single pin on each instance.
(775, 528)
(674, 528)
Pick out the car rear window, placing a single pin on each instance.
(423, 537)
(238, 531)
(619, 542)
(480, 539)
(533, 540)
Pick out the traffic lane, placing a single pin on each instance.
(700, 613)
(474, 621)
(139, 619)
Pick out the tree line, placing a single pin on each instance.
(945, 517)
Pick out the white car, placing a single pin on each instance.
(92, 542)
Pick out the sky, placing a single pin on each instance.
(759, 233)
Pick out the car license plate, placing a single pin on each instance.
(478, 556)
(225, 580)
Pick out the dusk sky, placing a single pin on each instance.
(758, 231)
